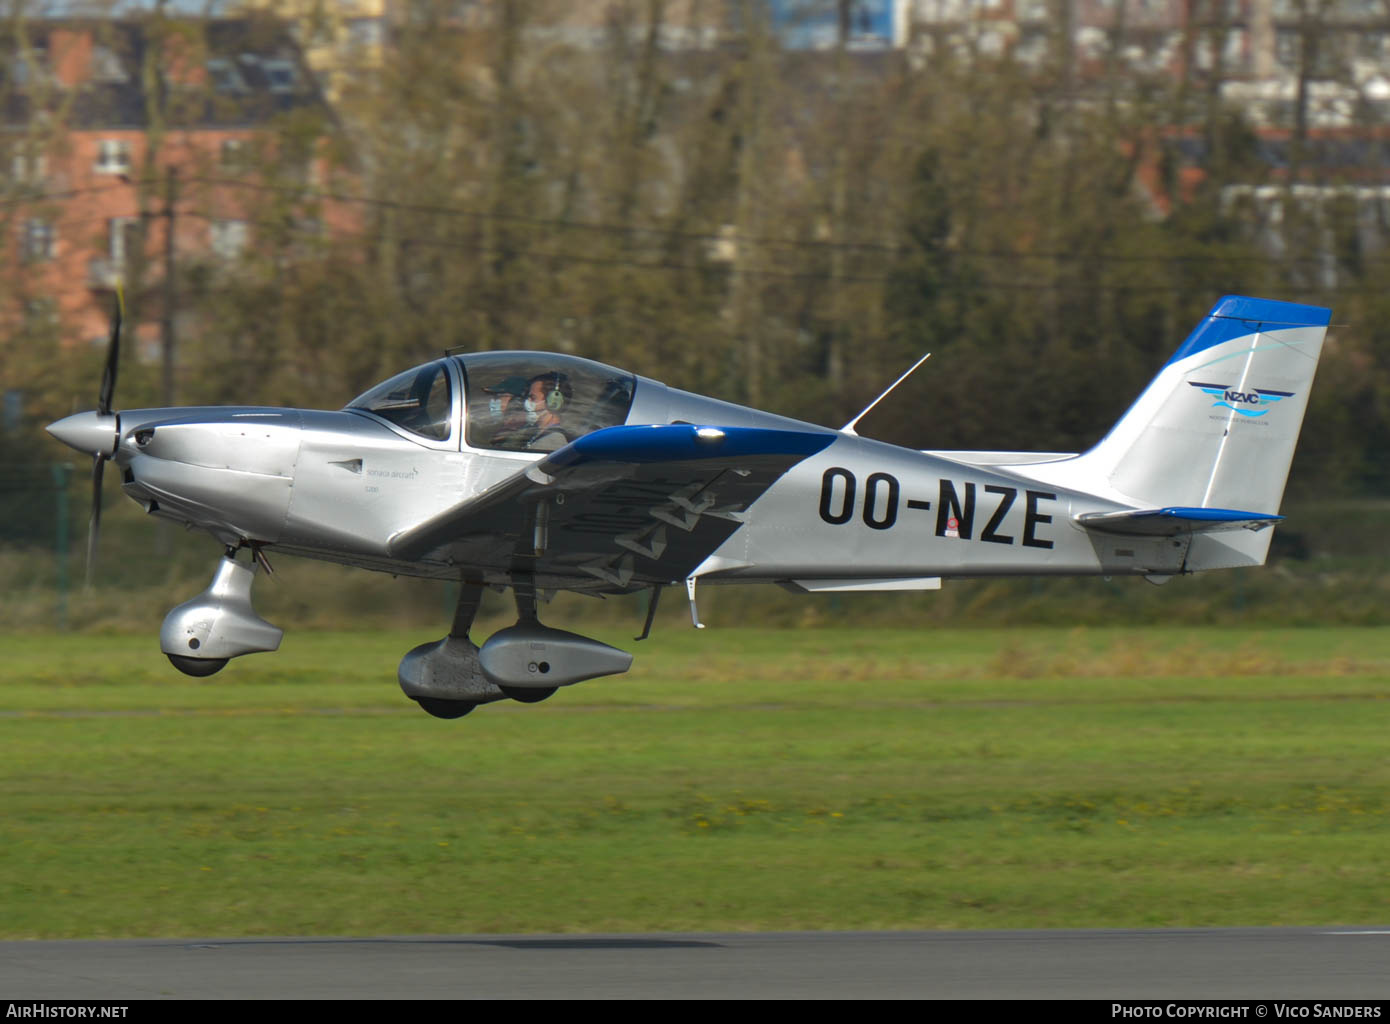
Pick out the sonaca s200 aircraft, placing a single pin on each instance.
(542, 472)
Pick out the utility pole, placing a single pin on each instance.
(839, 202)
(168, 339)
(163, 540)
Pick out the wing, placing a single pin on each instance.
(618, 509)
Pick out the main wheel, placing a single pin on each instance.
(196, 666)
(527, 694)
(441, 708)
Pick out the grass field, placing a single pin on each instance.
(735, 779)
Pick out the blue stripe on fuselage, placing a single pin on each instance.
(678, 442)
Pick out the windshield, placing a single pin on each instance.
(419, 400)
(540, 401)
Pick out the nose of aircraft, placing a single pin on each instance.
(90, 432)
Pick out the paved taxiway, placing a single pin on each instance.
(1252, 963)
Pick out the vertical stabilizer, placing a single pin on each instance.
(1218, 425)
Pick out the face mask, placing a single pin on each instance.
(532, 411)
(494, 406)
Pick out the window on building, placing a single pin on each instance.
(365, 32)
(1286, 48)
(107, 66)
(26, 166)
(38, 241)
(113, 157)
(233, 155)
(228, 238)
(225, 77)
(29, 67)
(124, 239)
(279, 75)
(40, 313)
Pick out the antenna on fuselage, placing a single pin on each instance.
(848, 428)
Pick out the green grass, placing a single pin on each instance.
(744, 779)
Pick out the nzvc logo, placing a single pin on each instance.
(1255, 402)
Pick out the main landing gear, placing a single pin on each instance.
(444, 677)
(526, 662)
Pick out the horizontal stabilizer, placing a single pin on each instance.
(836, 586)
(1168, 522)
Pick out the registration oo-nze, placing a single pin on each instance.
(542, 472)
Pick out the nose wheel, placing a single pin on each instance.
(197, 666)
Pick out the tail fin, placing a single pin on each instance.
(1216, 428)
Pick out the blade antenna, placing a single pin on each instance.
(848, 428)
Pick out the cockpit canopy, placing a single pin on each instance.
(540, 401)
(420, 401)
(515, 401)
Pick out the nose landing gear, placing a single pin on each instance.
(200, 636)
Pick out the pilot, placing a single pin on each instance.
(548, 397)
(506, 405)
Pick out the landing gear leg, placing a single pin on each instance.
(524, 589)
(444, 677)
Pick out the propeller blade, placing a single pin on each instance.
(94, 525)
(113, 351)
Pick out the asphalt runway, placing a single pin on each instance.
(1328, 964)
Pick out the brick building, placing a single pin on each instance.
(113, 130)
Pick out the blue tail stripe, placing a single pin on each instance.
(1211, 515)
(1235, 316)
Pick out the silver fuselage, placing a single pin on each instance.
(340, 485)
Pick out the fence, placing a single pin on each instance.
(1329, 564)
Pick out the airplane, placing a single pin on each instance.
(544, 472)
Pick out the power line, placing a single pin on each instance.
(479, 249)
(65, 194)
(716, 238)
(706, 237)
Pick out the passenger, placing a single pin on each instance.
(548, 396)
(507, 407)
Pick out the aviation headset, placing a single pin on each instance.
(554, 397)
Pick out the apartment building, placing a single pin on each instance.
(114, 131)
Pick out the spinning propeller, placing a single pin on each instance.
(96, 433)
